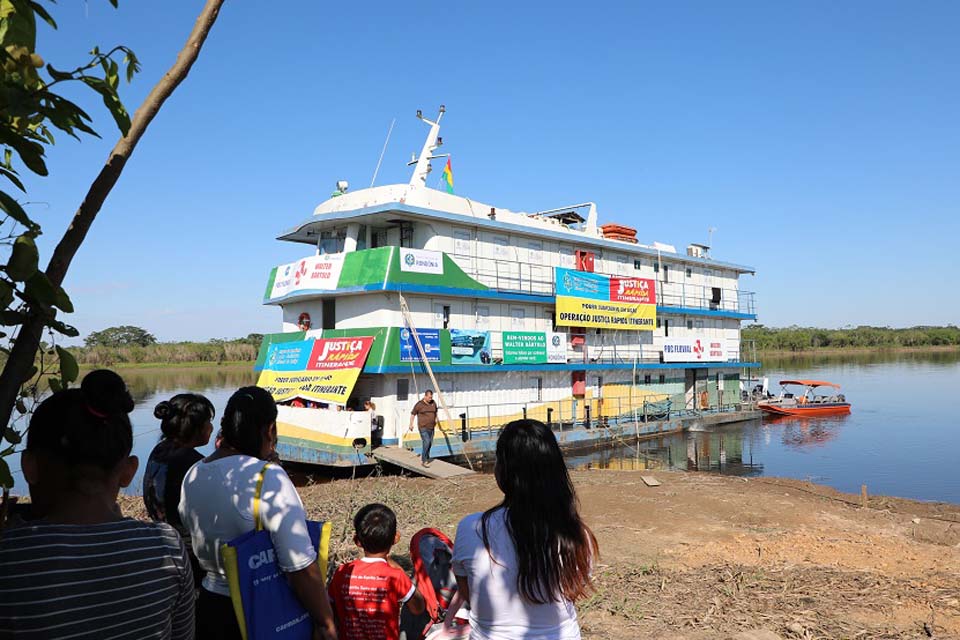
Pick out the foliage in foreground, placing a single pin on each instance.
(808, 338)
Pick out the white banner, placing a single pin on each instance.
(694, 349)
(316, 272)
(420, 261)
(556, 347)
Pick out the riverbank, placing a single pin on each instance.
(854, 351)
(704, 557)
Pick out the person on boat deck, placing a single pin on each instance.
(523, 563)
(425, 411)
(83, 570)
(185, 423)
(217, 503)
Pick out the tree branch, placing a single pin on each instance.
(24, 350)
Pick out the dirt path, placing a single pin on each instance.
(706, 556)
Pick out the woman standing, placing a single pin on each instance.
(185, 424)
(83, 570)
(216, 506)
(523, 563)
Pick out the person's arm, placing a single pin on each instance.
(463, 588)
(413, 414)
(311, 591)
(416, 604)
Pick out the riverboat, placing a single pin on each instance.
(808, 403)
(504, 314)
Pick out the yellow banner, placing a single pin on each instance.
(323, 386)
(602, 314)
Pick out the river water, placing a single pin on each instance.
(902, 437)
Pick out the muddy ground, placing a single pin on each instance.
(705, 556)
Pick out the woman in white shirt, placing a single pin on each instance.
(523, 563)
(216, 505)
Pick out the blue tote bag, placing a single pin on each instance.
(266, 606)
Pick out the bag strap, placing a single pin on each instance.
(256, 498)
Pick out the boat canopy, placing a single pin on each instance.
(811, 383)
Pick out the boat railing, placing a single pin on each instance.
(515, 276)
(644, 406)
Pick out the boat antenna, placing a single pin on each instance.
(432, 143)
(382, 151)
(710, 236)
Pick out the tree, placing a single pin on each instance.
(124, 336)
(30, 111)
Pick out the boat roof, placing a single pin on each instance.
(811, 383)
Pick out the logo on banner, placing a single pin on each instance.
(555, 340)
(410, 260)
(421, 261)
(698, 349)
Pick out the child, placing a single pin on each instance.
(367, 593)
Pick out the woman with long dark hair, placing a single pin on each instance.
(216, 506)
(523, 563)
(185, 424)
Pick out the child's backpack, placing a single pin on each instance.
(432, 553)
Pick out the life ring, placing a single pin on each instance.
(304, 321)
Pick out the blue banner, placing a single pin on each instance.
(288, 356)
(581, 284)
(429, 338)
(469, 347)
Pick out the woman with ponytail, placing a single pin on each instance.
(79, 569)
(523, 563)
(217, 505)
(185, 424)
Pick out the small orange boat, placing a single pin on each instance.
(809, 403)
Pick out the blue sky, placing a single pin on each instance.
(819, 138)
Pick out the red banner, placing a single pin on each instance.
(339, 353)
(638, 290)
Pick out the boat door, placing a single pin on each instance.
(689, 389)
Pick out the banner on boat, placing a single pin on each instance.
(694, 349)
(420, 261)
(470, 347)
(534, 347)
(324, 370)
(313, 273)
(429, 338)
(592, 300)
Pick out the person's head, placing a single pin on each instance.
(428, 395)
(79, 442)
(555, 549)
(186, 419)
(369, 406)
(249, 422)
(375, 529)
(303, 322)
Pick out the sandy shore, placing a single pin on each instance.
(706, 556)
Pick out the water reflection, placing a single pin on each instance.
(808, 432)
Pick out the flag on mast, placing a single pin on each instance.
(448, 177)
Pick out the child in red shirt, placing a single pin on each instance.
(367, 593)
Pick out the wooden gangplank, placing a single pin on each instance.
(406, 459)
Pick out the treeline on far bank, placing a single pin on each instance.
(811, 339)
(132, 345)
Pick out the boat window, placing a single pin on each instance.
(698, 324)
(567, 257)
(329, 313)
(461, 243)
(444, 316)
(663, 378)
(666, 328)
(656, 266)
(637, 265)
(403, 389)
(406, 235)
(535, 251)
(483, 316)
(379, 238)
(517, 317)
(689, 272)
(362, 238)
(689, 324)
(500, 244)
(646, 378)
(536, 389)
(666, 273)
